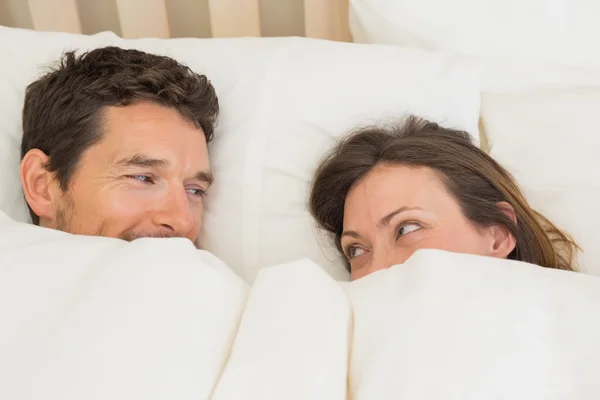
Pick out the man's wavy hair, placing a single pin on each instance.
(62, 114)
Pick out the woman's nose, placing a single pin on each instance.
(385, 259)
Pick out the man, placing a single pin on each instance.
(115, 144)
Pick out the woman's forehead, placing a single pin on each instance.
(389, 187)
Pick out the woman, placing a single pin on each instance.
(384, 193)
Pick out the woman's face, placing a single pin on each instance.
(395, 210)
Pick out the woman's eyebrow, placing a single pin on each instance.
(352, 234)
(386, 220)
(382, 223)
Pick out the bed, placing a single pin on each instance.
(266, 310)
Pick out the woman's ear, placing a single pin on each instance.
(503, 242)
(508, 210)
(36, 181)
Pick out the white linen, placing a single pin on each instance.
(284, 101)
(544, 31)
(97, 318)
(548, 141)
(449, 326)
(522, 44)
(293, 340)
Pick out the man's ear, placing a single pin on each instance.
(37, 183)
(503, 242)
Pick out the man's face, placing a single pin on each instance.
(146, 177)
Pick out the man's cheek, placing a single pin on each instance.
(126, 202)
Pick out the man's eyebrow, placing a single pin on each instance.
(140, 160)
(205, 176)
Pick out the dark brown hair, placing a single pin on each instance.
(62, 111)
(471, 176)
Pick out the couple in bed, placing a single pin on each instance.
(115, 144)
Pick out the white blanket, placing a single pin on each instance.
(96, 318)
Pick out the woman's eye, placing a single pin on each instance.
(406, 229)
(196, 192)
(355, 252)
(142, 178)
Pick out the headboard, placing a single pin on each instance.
(325, 19)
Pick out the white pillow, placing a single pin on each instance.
(553, 31)
(517, 40)
(98, 318)
(284, 102)
(548, 141)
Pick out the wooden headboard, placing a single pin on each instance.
(325, 19)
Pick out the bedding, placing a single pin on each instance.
(547, 140)
(450, 326)
(564, 30)
(266, 317)
(98, 318)
(499, 34)
(284, 101)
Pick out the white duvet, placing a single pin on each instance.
(94, 318)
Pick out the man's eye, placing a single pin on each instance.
(142, 178)
(196, 192)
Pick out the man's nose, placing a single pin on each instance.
(175, 214)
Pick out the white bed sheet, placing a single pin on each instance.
(98, 318)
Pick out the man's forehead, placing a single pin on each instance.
(136, 123)
(153, 132)
(149, 118)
